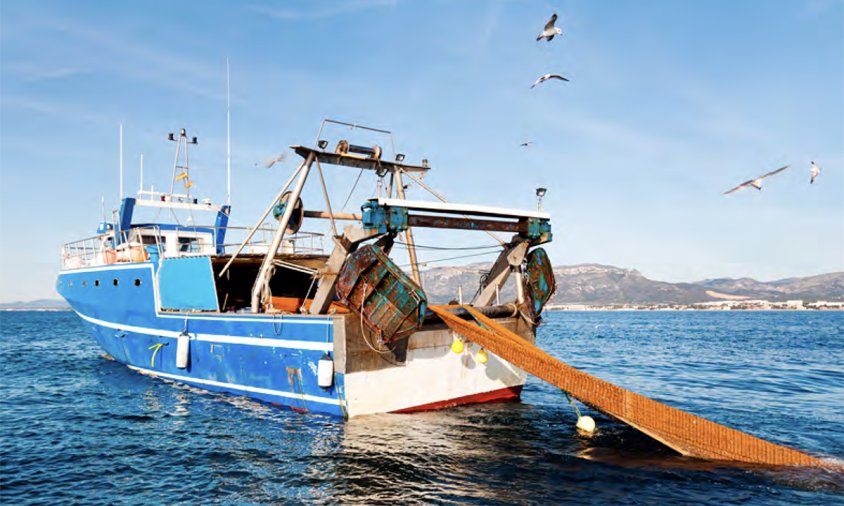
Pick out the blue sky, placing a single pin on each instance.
(670, 103)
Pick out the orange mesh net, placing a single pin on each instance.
(684, 432)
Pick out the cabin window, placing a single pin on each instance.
(137, 282)
(114, 282)
(149, 240)
(96, 282)
(84, 284)
(190, 245)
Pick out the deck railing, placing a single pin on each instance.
(135, 247)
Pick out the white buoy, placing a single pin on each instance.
(586, 424)
(183, 351)
(325, 371)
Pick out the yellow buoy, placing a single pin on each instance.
(586, 424)
(481, 356)
(457, 346)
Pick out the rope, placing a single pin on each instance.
(684, 432)
(351, 191)
(445, 248)
(452, 258)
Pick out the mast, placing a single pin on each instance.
(121, 161)
(228, 136)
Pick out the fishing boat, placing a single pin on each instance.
(329, 323)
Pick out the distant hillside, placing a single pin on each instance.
(822, 287)
(35, 304)
(605, 284)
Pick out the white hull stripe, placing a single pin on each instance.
(242, 388)
(215, 338)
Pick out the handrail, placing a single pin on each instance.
(99, 249)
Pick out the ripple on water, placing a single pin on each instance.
(79, 428)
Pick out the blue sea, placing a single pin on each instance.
(78, 428)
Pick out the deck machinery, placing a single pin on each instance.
(346, 333)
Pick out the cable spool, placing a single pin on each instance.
(296, 218)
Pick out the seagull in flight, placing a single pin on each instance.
(269, 162)
(756, 182)
(546, 77)
(550, 30)
(526, 144)
(816, 171)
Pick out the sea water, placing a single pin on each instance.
(78, 428)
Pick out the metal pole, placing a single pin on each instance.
(187, 169)
(327, 200)
(442, 199)
(121, 161)
(175, 165)
(261, 220)
(408, 234)
(142, 174)
(258, 289)
(228, 137)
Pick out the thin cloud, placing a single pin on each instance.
(31, 72)
(318, 10)
(62, 111)
(120, 55)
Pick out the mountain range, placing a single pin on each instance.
(604, 284)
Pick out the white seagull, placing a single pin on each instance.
(550, 30)
(546, 77)
(816, 171)
(269, 162)
(755, 182)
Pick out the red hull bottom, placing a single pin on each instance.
(509, 394)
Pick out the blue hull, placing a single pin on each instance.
(269, 358)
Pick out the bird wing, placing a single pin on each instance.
(773, 172)
(739, 187)
(557, 76)
(550, 24)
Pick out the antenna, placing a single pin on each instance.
(121, 161)
(228, 136)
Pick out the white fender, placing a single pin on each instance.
(325, 371)
(183, 351)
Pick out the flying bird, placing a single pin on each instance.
(269, 162)
(550, 30)
(526, 144)
(816, 171)
(546, 77)
(756, 182)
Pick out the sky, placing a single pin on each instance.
(669, 104)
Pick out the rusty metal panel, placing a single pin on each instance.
(372, 286)
(540, 283)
